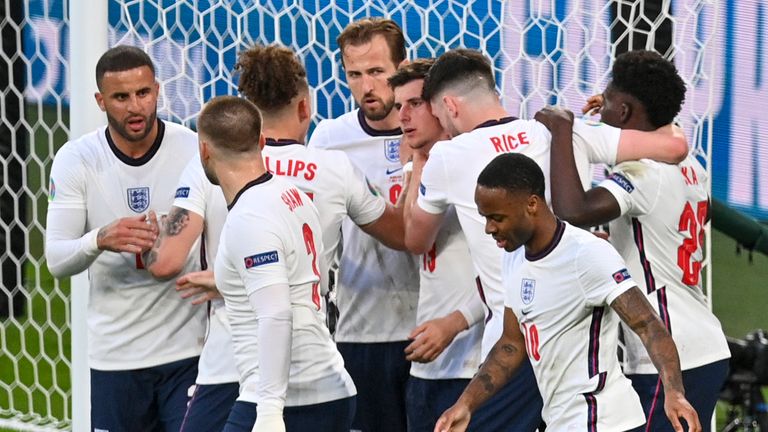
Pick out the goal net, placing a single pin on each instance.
(544, 52)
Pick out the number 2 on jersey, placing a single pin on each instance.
(309, 242)
(531, 334)
(692, 222)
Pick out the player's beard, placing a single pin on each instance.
(377, 114)
(122, 129)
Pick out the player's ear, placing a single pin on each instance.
(262, 142)
(451, 105)
(100, 101)
(303, 109)
(403, 63)
(626, 112)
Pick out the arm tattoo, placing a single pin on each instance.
(176, 221)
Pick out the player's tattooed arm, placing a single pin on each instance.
(637, 313)
(178, 232)
(498, 368)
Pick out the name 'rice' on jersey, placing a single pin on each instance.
(561, 297)
(197, 194)
(272, 236)
(450, 177)
(333, 185)
(378, 287)
(134, 321)
(661, 235)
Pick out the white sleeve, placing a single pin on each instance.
(364, 205)
(433, 197)
(272, 306)
(193, 188)
(598, 141)
(67, 250)
(258, 254)
(603, 275)
(636, 186)
(474, 311)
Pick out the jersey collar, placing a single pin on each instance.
(495, 122)
(257, 181)
(551, 246)
(375, 132)
(146, 157)
(280, 142)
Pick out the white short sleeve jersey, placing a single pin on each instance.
(450, 177)
(561, 298)
(272, 236)
(333, 185)
(134, 321)
(196, 194)
(378, 287)
(447, 281)
(660, 234)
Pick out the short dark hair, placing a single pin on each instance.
(121, 58)
(362, 31)
(653, 81)
(412, 71)
(459, 66)
(513, 172)
(231, 123)
(270, 76)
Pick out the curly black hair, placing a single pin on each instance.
(270, 76)
(653, 81)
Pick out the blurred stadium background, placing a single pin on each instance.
(554, 51)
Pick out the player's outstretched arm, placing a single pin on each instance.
(500, 365)
(421, 227)
(178, 232)
(569, 201)
(388, 228)
(638, 314)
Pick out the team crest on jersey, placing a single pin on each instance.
(621, 275)
(527, 290)
(392, 150)
(138, 199)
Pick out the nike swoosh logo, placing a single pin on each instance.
(389, 171)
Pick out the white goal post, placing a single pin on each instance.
(544, 52)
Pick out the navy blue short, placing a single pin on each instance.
(210, 406)
(333, 416)
(427, 399)
(141, 400)
(380, 373)
(702, 388)
(515, 408)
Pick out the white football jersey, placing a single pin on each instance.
(661, 236)
(378, 288)
(196, 194)
(333, 185)
(561, 298)
(134, 321)
(450, 177)
(272, 236)
(447, 281)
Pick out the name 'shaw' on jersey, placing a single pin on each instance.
(292, 198)
(291, 168)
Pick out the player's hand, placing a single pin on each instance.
(269, 423)
(432, 337)
(594, 105)
(455, 419)
(555, 118)
(200, 285)
(677, 407)
(130, 234)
